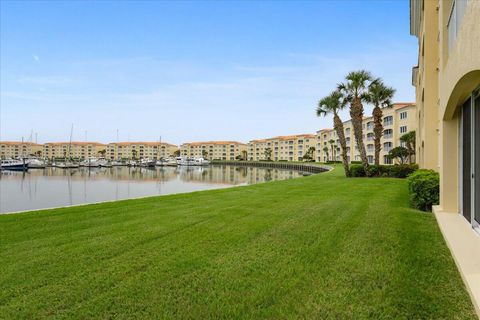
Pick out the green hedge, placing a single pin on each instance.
(393, 171)
(424, 187)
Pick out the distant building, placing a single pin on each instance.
(281, 148)
(214, 150)
(75, 150)
(397, 120)
(139, 150)
(16, 149)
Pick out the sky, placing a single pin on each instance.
(190, 71)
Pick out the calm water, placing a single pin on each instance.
(54, 187)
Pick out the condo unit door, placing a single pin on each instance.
(470, 160)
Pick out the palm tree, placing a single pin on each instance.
(333, 103)
(325, 149)
(409, 140)
(244, 155)
(381, 97)
(204, 154)
(331, 141)
(268, 154)
(354, 90)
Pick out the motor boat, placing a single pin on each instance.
(116, 163)
(132, 163)
(201, 162)
(147, 162)
(67, 165)
(34, 163)
(170, 162)
(90, 163)
(102, 162)
(10, 164)
(185, 161)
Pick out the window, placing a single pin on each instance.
(387, 146)
(369, 125)
(388, 133)
(387, 160)
(370, 159)
(388, 121)
(403, 129)
(370, 148)
(403, 115)
(370, 137)
(455, 20)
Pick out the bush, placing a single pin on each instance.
(395, 171)
(401, 170)
(356, 170)
(424, 188)
(356, 162)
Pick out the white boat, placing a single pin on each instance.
(67, 165)
(131, 163)
(185, 161)
(170, 162)
(115, 163)
(201, 162)
(34, 163)
(102, 162)
(147, 162)
(90, 163)
(10, 164)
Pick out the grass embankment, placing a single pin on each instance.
(314, 247)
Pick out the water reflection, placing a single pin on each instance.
(54, 187)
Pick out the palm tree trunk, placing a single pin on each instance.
(356, 113)
(338, 126)
(377, 132)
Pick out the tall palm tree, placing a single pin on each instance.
(325, 149)
(331, 141)
(381, 97)
(332, 104)
(354, 90)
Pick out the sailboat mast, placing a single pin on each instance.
(70, 144)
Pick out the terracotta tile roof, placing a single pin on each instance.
(283, 138)
(11, 143)
(144, 143)
(400, 105)
(211, 142)
(76, 143)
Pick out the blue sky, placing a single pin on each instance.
(189, 71)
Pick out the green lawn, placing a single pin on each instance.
(315, 247)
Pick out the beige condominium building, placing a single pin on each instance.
(214, 150)
(76, 150)
(397, 120)
(139, 150)
(447, 82)
(281, 148)
(17, 149)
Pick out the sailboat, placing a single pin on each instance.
(68, 164)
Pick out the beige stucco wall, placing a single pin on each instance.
(459, 75)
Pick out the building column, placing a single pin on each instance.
(449, 165)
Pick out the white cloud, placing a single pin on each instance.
(35, 57)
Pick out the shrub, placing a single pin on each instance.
(376, 171)
(401, 170)
(356, 170)
(395, 171)
(356, 162)
(424, 188)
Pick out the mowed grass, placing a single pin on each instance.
(316, 247)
